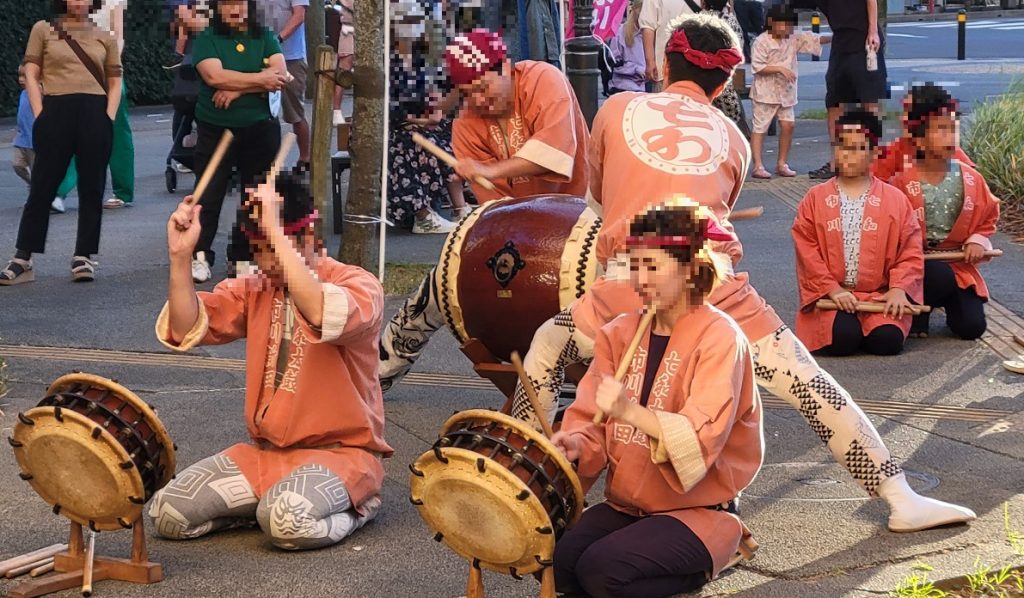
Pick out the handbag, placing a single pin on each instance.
(87, 62)
(273, 97)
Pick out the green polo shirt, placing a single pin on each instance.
(241, 53)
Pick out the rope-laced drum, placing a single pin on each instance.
(496, 492)
(94, 451)
(514, 263)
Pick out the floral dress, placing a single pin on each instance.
(416, 179)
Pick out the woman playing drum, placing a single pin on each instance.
(683, 436)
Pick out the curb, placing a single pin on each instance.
(987, 13)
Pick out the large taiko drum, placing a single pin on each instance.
(496, 491)
(94, 451)
(513, 264)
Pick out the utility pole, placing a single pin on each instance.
(367, 141)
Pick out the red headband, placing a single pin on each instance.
(712, 232)
(947, 109)
(842, 128)
(725, 59)
(289, 229)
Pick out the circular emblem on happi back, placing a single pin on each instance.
(675, 134)
(506, 264)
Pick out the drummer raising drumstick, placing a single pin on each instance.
(683, 435)
(311, 472)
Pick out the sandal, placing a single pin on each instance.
(83, 269)
(17, 272)
(761, 173)
(114, 203)
(785, 170)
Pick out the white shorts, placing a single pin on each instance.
(763, 114)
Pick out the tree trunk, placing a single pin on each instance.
(314, 39)
(367, 141)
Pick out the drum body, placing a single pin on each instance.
(94, 451)
(513, 264)
(496, 492)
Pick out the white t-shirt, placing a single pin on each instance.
(102, 16)
(656, 15)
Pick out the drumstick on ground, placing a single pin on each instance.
(538, 409)
(42, 569)
(627, 357)
(28, 567)
(447, 158)
(31, 557)
(87, 564)
(957, 256)
(213, 164)
(869, 307)
(1018, 339)
(746, 213)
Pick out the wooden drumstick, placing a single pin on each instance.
(869, 307)
(87, 564)
(627, 357)
(42, 569)
(958, 256)
(746, 213)
(531, 394)
(212, 165)
(28, 567)
(31, 557)
(282, 152)
(447, 158)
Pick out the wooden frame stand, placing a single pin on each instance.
(70, 567)
(475, 584)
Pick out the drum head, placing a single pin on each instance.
(168, 458)
(478, 512)
(74, 464)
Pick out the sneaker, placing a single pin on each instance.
(57, 207)
(200, 268)
(460, 213)
(432, 224)
(179, 167)
(114, 203)
(825, 172)
(83, 269)
(174, 61)
(337, 118)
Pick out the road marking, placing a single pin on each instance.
(884, 408)
(906, 35)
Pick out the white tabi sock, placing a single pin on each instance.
(911, 512)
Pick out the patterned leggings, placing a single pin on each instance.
(310, 508)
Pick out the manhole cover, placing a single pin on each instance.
(819, 482)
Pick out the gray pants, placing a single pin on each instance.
(24, 157)
(310, 508)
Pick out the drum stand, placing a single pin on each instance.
(71, 567)
(475, 585)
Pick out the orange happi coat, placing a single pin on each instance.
(645, 150)
(709, 410)
(891, 256)
(328, 408)
(546, 127)
(976, 223)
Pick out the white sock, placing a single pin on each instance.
(911, 512)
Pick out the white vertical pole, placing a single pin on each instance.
(561, 24)
(384, 154)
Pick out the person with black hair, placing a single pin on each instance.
(311, 472)
(857, 240)
(242, 71)
(956, 209)
(856, 64)
(773, 93)
(669, 523)
(73, 83)
(674, 144)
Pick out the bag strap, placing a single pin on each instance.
(89, 64)
(694, 7)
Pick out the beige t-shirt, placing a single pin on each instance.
(62, 72)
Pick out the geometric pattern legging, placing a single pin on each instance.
(782, 366)
(310, 508)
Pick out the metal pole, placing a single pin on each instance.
(815, 28)
(581, 55)
(961, 34)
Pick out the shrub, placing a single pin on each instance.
(994, 143)
(146, 45)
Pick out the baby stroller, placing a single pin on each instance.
(183, 97)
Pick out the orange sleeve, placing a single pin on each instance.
(469, 143)
(812, 274)
(907, 272)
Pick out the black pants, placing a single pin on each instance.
(74, 125)
(848, 338)
(750, 15)
(610, 554)
(251, 152)
(965, 310)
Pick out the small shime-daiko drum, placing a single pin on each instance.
(496, 492)
(513, 264)
(94, 451)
